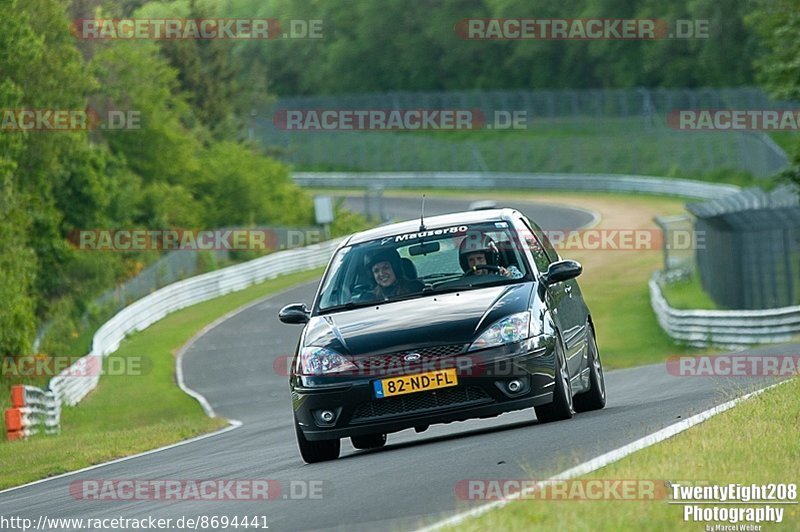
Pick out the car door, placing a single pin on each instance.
(565, 298)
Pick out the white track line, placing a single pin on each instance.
(233, 423)
(599, 462)
(233, 426)
(205, 330)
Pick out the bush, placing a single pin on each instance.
(238, 187)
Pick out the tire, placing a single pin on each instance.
(561, 408)
(317, 451)
(595, 397)
(370, 441)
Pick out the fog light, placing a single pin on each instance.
(326, 418)
(514, 386)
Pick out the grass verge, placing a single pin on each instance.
(754, 443)
(578, 144)
(688, 294)
(129, 414)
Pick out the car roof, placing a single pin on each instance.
(431, 223)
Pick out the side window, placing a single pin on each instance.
(332, 289)
(552, 254)
(538, 245)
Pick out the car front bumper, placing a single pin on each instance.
(482, 391)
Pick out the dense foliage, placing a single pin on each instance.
(412, 45)
(777, 23)
(184, 167)
(188, 165)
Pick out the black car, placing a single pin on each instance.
(461, 316)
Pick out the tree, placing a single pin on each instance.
(777, 22)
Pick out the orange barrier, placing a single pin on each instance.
(14, 427)
(18, 396)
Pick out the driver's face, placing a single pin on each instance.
(477, 259)
(384, 274)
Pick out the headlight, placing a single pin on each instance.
(319, 361)
(513, 328)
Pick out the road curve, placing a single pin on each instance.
(409, 483)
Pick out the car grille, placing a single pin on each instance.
(419, 402)
(427, 354)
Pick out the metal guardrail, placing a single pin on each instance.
(723, 328)
(473, 180)
(76, 381)
(695, 327)
(70, 389)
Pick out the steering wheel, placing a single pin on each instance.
(487, 267)
(362, 292)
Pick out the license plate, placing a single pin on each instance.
(415, 383)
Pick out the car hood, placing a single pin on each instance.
(441, 319)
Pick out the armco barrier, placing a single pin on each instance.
(723, 328)
(474, 180)
(73, 384)
(153, 307)
(33, 410)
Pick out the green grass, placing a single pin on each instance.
(583, 144)
(789, 141)
(688, 294)
(754, 443)
(627, 331)
(130, 414)
(545, 128)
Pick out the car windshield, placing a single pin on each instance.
(410, 265)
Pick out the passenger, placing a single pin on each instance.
(480, 256)
(386, 269)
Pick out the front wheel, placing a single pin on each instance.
(561, 407)
(317, 451)
(595, 397)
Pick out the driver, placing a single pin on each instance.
(386, 269)
(478, 255)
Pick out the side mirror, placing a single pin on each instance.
(563, 270)
(294, 313)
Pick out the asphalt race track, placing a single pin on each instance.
(408, 483)
(405, 208)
